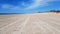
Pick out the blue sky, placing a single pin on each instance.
(28, 6)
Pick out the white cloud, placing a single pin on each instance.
(15, 8)
(39, 3)
(6, 6)
(36, 4)
(11, 7)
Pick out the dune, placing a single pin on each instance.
(35, 23)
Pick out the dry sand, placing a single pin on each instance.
(38, 23)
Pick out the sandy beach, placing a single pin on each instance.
(36, 23)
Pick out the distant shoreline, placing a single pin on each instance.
(9, 13)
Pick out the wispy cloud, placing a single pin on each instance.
(40, 3)
(11, 7)
(6, 6)
(36, 4)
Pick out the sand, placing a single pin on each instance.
(37, 23)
